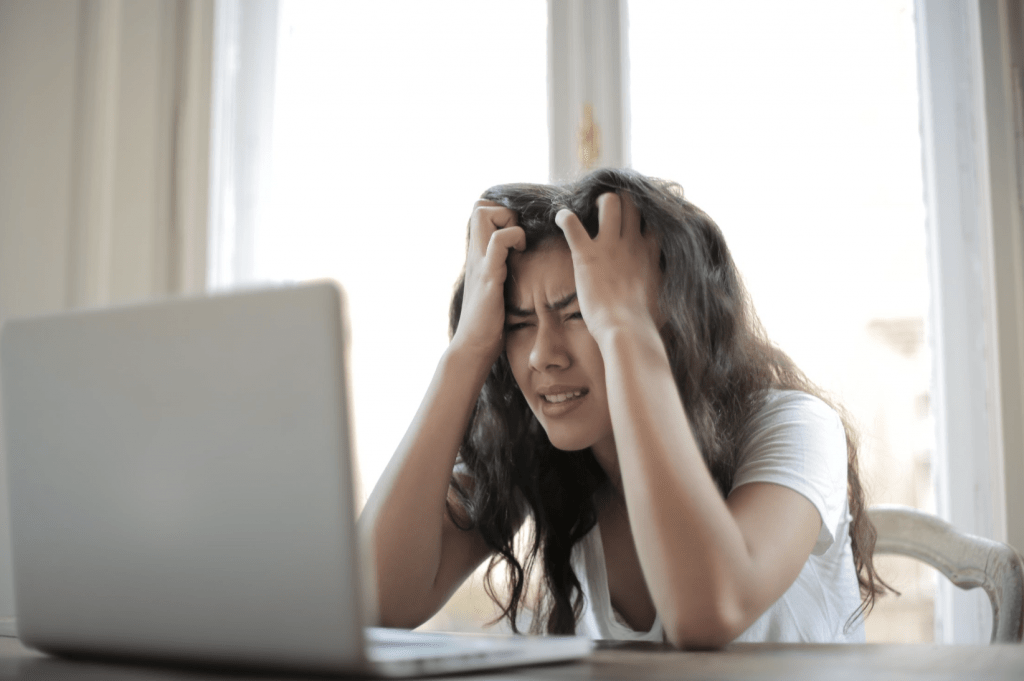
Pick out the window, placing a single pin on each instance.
(389, 121)
(796, 127)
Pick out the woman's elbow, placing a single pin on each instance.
(399, 614)
(709, 627)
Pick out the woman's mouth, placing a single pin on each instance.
(562, 402)
(563, 397)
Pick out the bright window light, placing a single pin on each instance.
(390, 120)
(795, 125)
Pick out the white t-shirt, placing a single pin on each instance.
(796, 441)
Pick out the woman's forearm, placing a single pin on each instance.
(692, 552)
(404, 519)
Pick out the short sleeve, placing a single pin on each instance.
(460, 469)
(798, 441)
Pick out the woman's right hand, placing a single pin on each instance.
(492, 233)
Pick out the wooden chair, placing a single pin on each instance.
(968, 561)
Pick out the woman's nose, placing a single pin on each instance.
(549, 350)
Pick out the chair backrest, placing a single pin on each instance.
(967, 560)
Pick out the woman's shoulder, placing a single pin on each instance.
(779, 400)
(798, 441)
(792, 407)
(793, 425)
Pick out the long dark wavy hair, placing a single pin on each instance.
(723, 364)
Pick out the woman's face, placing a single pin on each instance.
(554, 359)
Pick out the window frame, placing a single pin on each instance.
(975, 263)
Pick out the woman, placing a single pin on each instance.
(608, 378)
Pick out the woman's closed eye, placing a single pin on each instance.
(511, 326)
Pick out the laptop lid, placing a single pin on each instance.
(181, 483)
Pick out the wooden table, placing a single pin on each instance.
(627, 662)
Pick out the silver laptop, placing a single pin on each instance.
(181, 489)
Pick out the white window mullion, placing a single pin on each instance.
(187, 259)
(245, 52)
(588, 86)
(1002, 43)
(966, 227)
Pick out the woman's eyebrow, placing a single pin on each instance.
(563, 303)
(513, 311)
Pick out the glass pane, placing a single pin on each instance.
(795, 126)
(390, 119)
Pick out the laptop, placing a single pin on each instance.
(181, 490)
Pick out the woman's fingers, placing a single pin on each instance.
(492, 233)
(487, 218)
(609, 215)
(617, 217)
(575, 232)
(630, 217)
(501, 241)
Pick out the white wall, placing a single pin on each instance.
(37, 74)
(103, 131)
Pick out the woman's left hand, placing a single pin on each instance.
(617, 273)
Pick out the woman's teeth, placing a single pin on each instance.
(562, 397)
